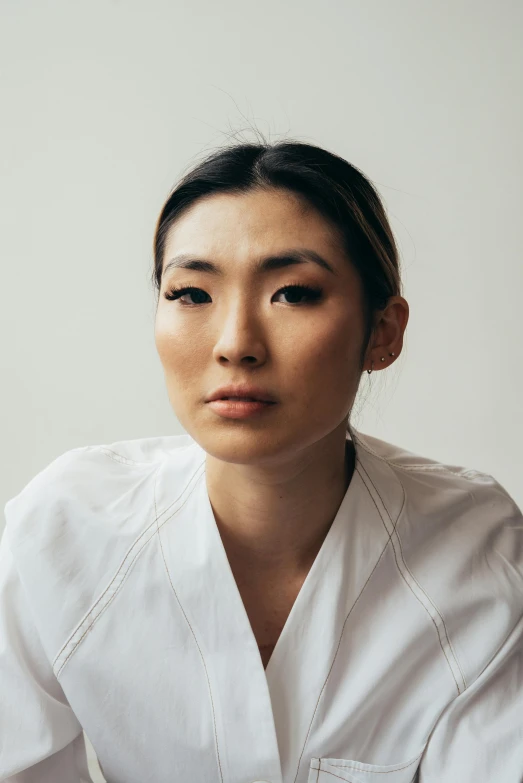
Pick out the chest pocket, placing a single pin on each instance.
(331, 770)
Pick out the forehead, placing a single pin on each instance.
(259, 221)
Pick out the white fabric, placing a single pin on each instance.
(119, 614)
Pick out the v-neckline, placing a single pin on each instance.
(353, 463)
(276, 704)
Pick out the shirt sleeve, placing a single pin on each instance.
(479, 736)
(41, 740)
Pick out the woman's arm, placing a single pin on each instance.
(479, 737)
(41, 740)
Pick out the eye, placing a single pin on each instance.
(176, 293)
(297, 289)
(294, 289)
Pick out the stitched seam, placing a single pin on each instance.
(93, 607)
(499, 648)
(124, 575)
(197, 645)
(119, 569)
(104, 607)
(122, 458)
(418, 599)
(194, 478)
(436, 610)
(374, 772)
(357, 768)
(408, 468)
(117, 457)
(424, 593)
(345, 621)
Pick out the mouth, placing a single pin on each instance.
(247, 399)
(240, 407)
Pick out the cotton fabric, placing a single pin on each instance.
(401, 659)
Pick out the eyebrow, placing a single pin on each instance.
(266, 264)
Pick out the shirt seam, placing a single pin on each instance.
(400, 556)
(121, 458)
(444, 469)
(419, 466)
(123, 570)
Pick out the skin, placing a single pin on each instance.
(275, 481)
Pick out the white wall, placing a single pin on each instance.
(104, 104)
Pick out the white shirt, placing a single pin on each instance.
(401, 659)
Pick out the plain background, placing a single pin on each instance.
(105, 104)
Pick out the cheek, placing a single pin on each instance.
(325, 361)
(173, 348)
(326, 346)
(180, 366)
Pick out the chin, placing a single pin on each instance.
(243, 447)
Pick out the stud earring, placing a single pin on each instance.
(382, 359)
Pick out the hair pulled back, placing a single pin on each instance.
(339, 191)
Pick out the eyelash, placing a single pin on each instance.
(314, 293)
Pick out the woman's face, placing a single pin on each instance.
(239, 327)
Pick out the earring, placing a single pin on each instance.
(382, 359)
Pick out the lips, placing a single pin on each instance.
(243, 399)
(242, 392)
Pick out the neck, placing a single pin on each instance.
(276, 518)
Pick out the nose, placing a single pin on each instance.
(240, 339)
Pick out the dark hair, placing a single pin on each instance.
(338, 190)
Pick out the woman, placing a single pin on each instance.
(272, 596)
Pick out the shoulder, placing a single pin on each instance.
(87, 474)
(144, 451)
(432, 486)
(72, 524)
(458, 539)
